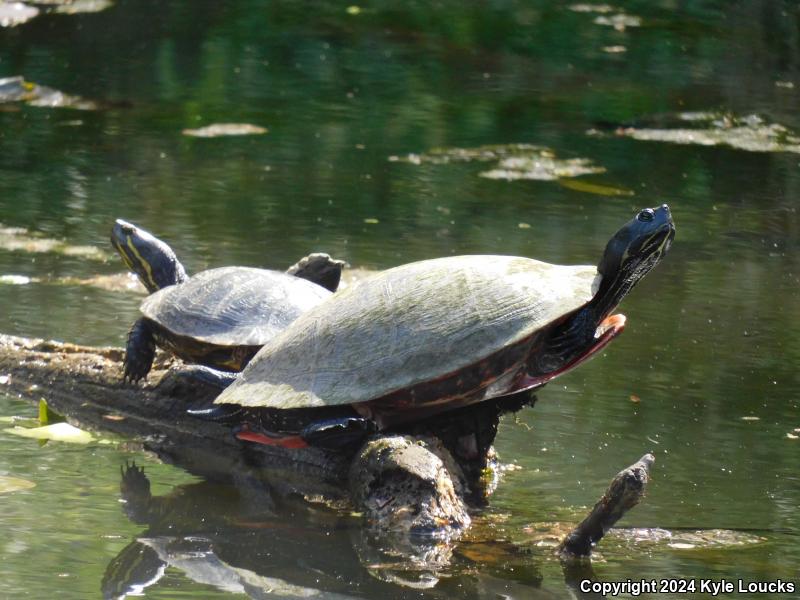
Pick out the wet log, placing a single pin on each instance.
(625, 491)
(85, 385)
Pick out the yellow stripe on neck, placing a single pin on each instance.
(145, 265)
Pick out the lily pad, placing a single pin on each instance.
(10, 484)
(514, 161)
(58, 432)
(750, 133)
(16, 89)
(223, 129)
(16, 13)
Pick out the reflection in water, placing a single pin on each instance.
(244, 539)
(712, 339)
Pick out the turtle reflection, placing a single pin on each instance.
(244, 539)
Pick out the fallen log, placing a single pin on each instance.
(85, 385)
(423, 479)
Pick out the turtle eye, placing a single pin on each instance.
(126, 227)
(646, 215)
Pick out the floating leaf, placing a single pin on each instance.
(15, 279)
(16, 13)
(442, 156)
(10, 484)
(515, 161)
(118, 282)
(594, 188)
(749, 418)
(223, 129)
(592, 8)
(74, 7)
(59, 432)
(15, 239)
(750, 133)
(353, 10)
(47, 415)
(620, 21)
(371, 221)
(541, 168)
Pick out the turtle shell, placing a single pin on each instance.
(408, 325)
(233, 305)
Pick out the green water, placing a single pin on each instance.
(712, 334)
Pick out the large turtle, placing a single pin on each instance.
(218, 318)
(431, 336)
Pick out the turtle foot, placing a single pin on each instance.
(140, 351)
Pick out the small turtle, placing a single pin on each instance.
(431, 336)
(218, 318)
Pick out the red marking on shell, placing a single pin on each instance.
(289, 441)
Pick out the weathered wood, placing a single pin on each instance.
(85, 385)
(421, 480)
(625, 491)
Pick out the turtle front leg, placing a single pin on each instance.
(140, 351)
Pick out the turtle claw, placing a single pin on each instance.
(140, 351)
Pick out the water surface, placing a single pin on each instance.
(711, 336)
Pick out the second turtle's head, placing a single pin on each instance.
(152, 260)
(633, 251)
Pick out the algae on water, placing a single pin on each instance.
(513, 161)
(750, 133)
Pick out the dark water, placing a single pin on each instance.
(711, 337)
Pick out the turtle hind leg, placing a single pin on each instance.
(140, 351)
(334, 434)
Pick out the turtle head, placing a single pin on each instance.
(633, 251)
(152, 260)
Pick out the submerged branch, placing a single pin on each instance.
(625, 491)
